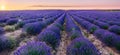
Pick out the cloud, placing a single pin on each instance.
(53, 6)
(76, 6)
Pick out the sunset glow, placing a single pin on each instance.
(2, 7)
(60, 4)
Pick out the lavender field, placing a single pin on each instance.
(60, 32)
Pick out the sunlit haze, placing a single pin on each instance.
(2, 7)
(58, 4)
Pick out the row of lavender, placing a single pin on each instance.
(49, 36)
(30, 26)
(79, 44)
(110, 17)
(49, 39)
(47, 27)
(104, 31)
(104, 19)
(23, 17)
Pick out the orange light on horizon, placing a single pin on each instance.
(65, 7)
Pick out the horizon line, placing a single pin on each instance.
(73, 6)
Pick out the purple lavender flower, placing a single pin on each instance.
(101, 24)
(91, 28)
(70, 25)
(5, 43)
(2, 31)
(60, 26)
(77, 19)
(115, 29)
(81, 46)
(50, 37)
(3, 20)
(98, 33)
(33, 48)
(85, 24)
(53, 28)
(33, 28)
(75, 34)
(116, 42)
(49, 21)
(114, 23)
(12, 21)
(108, 38)
(29, 21)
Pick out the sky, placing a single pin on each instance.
(58, 4)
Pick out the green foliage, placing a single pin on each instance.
(12, 42)
(2, 24)
(9, 28)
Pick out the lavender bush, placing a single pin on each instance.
(108, 38)
(3, 20)
(98, 33)
(6, 43)
(91, 28)
(75, 34)
(102, 24)
(11, 21)
(115, 29)
(33, 48)
(54, 29)
(50, 37)
(81, 46)
(33, 28)
(2, 31)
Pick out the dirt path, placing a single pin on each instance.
(65, 41)
(14, 34)
(63, 44)
(104, 50)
